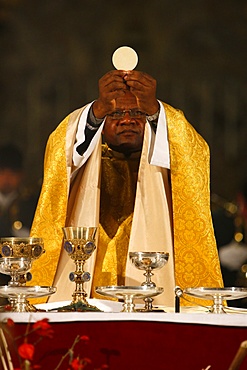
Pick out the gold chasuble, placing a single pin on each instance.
(171, 212)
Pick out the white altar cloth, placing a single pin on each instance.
(112, 312)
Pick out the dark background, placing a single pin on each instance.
(54, 51)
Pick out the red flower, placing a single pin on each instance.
(76, 365)
(85, 339)
(10, 323)
(26, 351)
(43, 328)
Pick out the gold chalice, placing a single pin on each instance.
(16, 257)
(79, 243)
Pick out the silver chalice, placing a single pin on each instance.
(148, 261)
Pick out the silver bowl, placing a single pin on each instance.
(13, 266)
(149, 260)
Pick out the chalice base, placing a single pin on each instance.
(218, 296)
(18, 296)
(21, 304)
(78, 306)
(129, 294)
(148, 307)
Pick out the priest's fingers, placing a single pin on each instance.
(111, 86)
(143, 86)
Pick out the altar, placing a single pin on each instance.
(189, 340)
(99, 334)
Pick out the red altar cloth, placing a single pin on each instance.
(144, 345)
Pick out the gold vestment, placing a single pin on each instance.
(195, 254)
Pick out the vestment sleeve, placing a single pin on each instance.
(85, 141)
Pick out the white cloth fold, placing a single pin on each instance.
(161, 155)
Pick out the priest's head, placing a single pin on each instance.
(124, 127)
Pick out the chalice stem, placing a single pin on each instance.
(79, 294)
(148, 274)
(129, 306)
(14, 279)
(148, 304)
(218, 306)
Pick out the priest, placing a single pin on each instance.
(135, 168)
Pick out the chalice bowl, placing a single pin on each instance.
(16, 257)
(79, 243)
(148, 261)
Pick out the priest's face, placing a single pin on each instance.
(124, 127)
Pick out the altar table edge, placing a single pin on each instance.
(233, 320)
